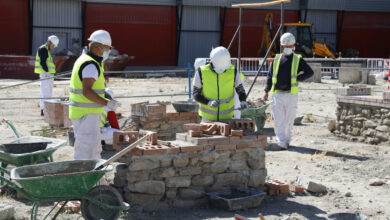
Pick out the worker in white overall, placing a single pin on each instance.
(282, 81)
(108, 122)
(44, 66)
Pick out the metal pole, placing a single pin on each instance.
(281, 21)
(234, 37)
(239, 41)
(189, 80)
(265, 59)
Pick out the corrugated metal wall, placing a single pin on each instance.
(364, 5)
(60, 17)
(324, 27)
(14, 22)
(144, 31)
(136, 2)
(368, 32)
(200, 30)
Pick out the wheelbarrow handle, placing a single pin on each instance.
(123, 152)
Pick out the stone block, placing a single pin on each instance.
(219, 166)
(178, 181)
(171, 193)
(148, 187)
(257, 178)
(238, 165)
(6, 212)
(353, 91)
(207, 157)
(230, 180)
(120, 175)
(383, 128)
(240, 155)
(202, 180)
(163, 173)
(222, 155)
(191, 193)
(312, 185)
(181, 161)
(179, 203)
(166, 162)
(190, 171)
(143, 164)
(142, 199)
(386, 95)
(136, 176)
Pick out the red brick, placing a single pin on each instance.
(249, 138)
(211, 129)
(195, 133)
(191, 148)
(233, 139)
(282, 187)
(209, 147)
(172, 115)
(155, 149)
(261, 137)
(224, 129)
(238, 133)
(217, 140)
(198, 140)
(245, 145)
(188, 113)
(153, 138)
(297, 189)
(137, 151)
(119, 139)
(225, 147)
(264, 144)
(173, 149)
(194, 127)
(273, 192)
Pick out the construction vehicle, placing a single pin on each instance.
(304, 45)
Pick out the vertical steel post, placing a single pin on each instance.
(281, 22)
(239, 41)
(189, 80)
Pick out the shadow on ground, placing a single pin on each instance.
(311, 151)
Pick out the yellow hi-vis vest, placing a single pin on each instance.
(218, 87)
(103, 119)
(49, 62)
(294, 72)
(79, 104)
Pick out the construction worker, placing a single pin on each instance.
(108, 122)
(44, 66)
(87, 87)
(282, 81)
(214, 85)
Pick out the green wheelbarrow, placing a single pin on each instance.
(257, 114)
(70, 180)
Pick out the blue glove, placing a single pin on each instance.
(244, 105)
(213, 103)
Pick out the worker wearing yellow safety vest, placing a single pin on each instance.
(214, 86)
(44, 66)
(86, 94)
(282, 81)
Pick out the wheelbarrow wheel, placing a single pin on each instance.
(105, 195)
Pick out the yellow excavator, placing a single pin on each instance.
(305, 44)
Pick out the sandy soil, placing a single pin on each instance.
(344, 167)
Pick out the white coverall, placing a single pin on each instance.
(284, 108)
(87, 129)
(46, 88)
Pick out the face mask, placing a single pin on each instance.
(288, 51)
(106, 53)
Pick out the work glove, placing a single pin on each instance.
(112, 104)
(213, 103)
(244, 105)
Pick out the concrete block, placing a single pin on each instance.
(312, 185)
(344, 91)
(350, 73)
(6, 212)
(317, 73)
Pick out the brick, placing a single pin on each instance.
(173, 149)
(54, 113)
(188, 113)
(237, 133)
(273, 192)
(242, 124)
(172, 115)
(297, 189)
(123, 139)
(154, 149)
(282, 187)
(261, 137)
(245, 145)
(195, 133)
(249, 138)
(191, 148)
(233, 139)
(137, 151)
(198, 140)
(217, 140)
(209, 147)
(225, 147)
(194, 127)
(224, 129)
(263, 144)
(181, 136)
(211, 129)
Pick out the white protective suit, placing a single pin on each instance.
(284, 109)
(87, 143)
(46, 88)
(107, 133)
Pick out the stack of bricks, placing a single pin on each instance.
(353, 91)
(386, 96)
(158, 175)
(154, 117)
(56, 113)
(277, 187)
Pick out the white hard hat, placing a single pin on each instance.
(109, 92)
(101, 36)
(54, 40)
(220, 58)
(287, 39)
